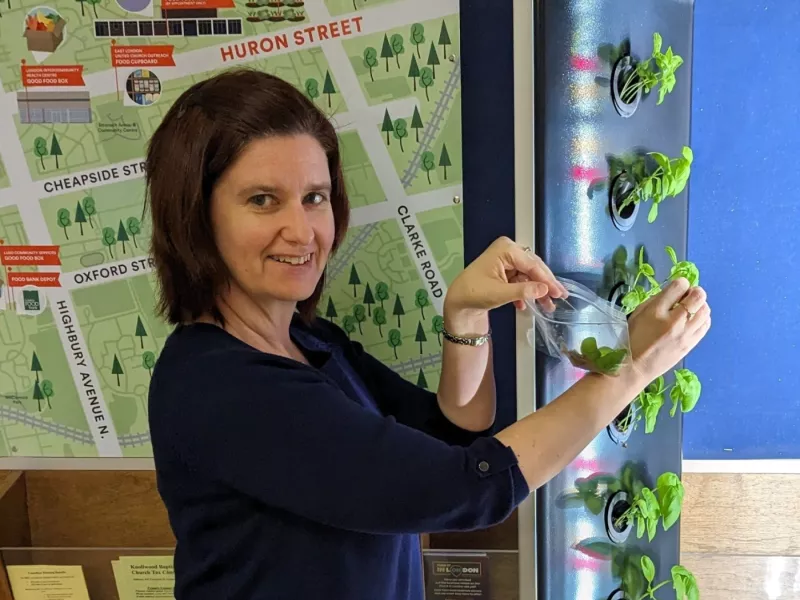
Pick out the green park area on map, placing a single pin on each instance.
(4, 180)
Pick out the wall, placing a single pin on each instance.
(744, 210)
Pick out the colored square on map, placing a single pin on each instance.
(204, 27)
(146, 28)
(30, 300)
(234, 27)
(160, 28)
(116, 28)
(131, 29)
(101, 29)
(219, 27)
(190, 27)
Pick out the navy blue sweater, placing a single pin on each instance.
(284, 481)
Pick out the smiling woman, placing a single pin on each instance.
(281, 447)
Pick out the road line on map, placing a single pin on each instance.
(88, 385)
(81, 366)
(350, 88)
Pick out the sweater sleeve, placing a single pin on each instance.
(408, 403)
(288, 437)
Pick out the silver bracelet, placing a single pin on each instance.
(467, 341)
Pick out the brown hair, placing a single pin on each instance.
(201, 135)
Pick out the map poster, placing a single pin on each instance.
(461, 576)
(84, 83)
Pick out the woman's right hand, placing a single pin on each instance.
(665, 328)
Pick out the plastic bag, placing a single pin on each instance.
(584, 328)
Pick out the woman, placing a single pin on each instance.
(292, 463)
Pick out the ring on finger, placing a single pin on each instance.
(526, 249)
(689, 314)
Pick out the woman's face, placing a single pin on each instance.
(272, 218)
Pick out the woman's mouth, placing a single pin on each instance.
(288, 259)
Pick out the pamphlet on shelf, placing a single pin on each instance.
(47, 582)
(144, 577)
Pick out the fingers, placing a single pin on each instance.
(701, 317)
(671, 295)
(526, 262)
(694, 299)
(699, 332)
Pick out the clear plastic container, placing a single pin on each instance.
(585, 329)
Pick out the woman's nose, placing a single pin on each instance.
(297, 226)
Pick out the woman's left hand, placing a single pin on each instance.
(505, 272)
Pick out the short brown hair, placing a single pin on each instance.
(201, 135)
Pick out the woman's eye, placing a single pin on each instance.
(316, 198)
(260, 200)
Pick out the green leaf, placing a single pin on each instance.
(657, 41)
(639, 526)
(688, 154)
(589, 347)
(662, 160)
(668, 480)
(595, 504)
(648, 269)
(612, 361)
(662, 93)
(652, 406)
(677, 583)
(652, 525)
(653, 214)
(648, 569)
(671, 509)
(686, 391)
(671, 252)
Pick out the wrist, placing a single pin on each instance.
(464, 322)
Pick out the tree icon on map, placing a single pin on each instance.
(149, 361)
(370, 60)
(426, 81)
(421, 381)
(421, 300)
(382, 291)
(40, 150)
(312, 88)
(80, 216)
(330, 311)
(379, 318)
(89, 209)
(141, 332)
(438, 327)
(134, 227)
(64, 220)
(395, 340)
(116, 369)
(109, 239)
(47, 390)
(417, 36)
(36, 366)
(122, 235)
(420, 336)
(396, 42)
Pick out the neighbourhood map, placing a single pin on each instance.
(83, 85)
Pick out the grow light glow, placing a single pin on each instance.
(584, 63)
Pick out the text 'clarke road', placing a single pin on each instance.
(305, 36)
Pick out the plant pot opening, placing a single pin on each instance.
(617, 505)
(623, 420)
(622, 186)
(616, 512)
(624, 73)
(617, 595)
(624, 76)
(627, 212)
